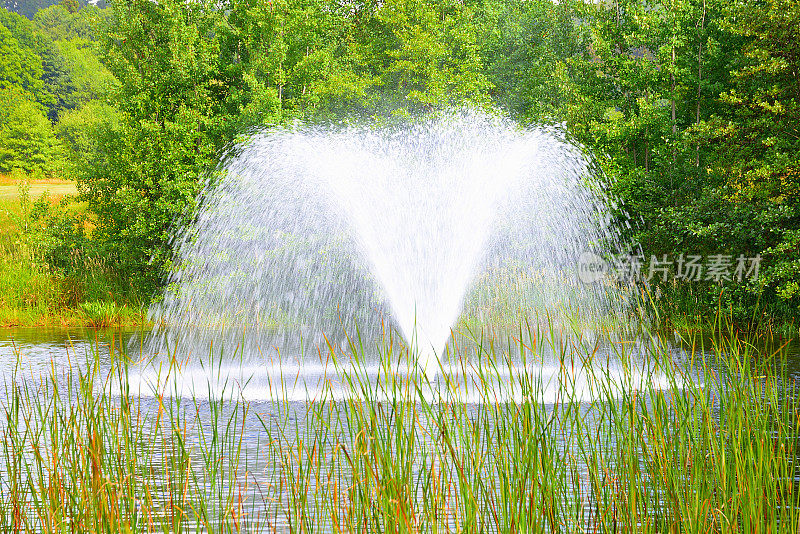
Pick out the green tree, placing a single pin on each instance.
(26, 136)
(755, 162)
(530, 48)
(87, 24)
(165, 56)
(27, 140)
(85, 76)
(432, 57)
(20, 67)
(252, 64)
(70, 5)
(27, 8)
(73, 71)
(88, 134)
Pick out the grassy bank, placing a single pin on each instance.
(52, 273)
(698, 311)
(706, 442)
(46, 278)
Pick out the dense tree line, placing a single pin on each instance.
(691, 107)
(50, 68)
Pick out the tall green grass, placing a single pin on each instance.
(50, 274)
(703, 442)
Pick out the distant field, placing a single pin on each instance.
(59, 189)
(9, 201)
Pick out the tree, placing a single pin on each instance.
(165, 57)
(70, 5)
(756, 158)
(87, 24)
(252, 64)
(433, 55)
(27, 8)
(530, 48)
(20, 67)
(88, 134)
(27, 141)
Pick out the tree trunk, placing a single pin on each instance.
(672, 80)
(699, 80)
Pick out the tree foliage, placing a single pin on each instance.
(756, 162)
(27, 141)
(690, 106)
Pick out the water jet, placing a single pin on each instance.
(319, 237)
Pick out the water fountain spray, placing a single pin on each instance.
(320, 236)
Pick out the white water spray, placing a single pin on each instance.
(320, 236)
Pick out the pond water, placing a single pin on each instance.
(273, 374)
(274, 405)
(40, 348)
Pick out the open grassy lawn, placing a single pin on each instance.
(10, 206)
(10, 192)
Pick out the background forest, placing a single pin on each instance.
(690, 107)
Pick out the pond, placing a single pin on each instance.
(565, 434)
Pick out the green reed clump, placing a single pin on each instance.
(616, 437)
(706, 444)
(84, 453)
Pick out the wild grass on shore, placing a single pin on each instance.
(46, 276)
(704, 442)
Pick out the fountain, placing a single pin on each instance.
(316, 236)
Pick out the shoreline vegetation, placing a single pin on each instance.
(33, 291)
(706, 441)
(34, 295)
(689, 111)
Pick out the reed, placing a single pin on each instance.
(705, 441)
